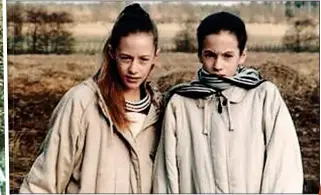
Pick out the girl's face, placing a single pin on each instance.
(135, 57)
(221, 55)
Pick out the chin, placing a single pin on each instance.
(132, 86)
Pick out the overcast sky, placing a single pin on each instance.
(226, 3)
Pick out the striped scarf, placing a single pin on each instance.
(208, 84)
(140, 106)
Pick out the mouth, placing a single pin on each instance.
(131, 79)
(221, 75)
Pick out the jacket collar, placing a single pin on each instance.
(153, 113)
(234, 94)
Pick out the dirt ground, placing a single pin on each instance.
(37, 82)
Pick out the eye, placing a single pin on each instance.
(144, 60)
(227, 56)
(209, 55)
(125, 58)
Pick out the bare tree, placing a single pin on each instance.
(47, 32)
(302, 35)
(15, 26)
(35, 18)
(61, 40)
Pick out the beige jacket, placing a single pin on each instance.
(251, 147)
(84, 154)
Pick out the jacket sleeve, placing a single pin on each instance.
(283, 172)
(165, 178)
(51, 171)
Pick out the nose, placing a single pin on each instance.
(133, 68)
(217, 65)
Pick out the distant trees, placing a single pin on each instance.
(36, 30)
(302, 35)
(185, 39)
(172, 12)
(15, 23)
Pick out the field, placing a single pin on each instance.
(37, 82)
(168, 30)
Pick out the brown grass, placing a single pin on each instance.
(37, 82)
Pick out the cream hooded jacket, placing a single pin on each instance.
(251, 147)
(85, 153)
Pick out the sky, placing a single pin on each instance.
(225, 3)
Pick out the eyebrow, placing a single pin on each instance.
(225, 52)
(128, 55)
(125, 54)
(228, 52)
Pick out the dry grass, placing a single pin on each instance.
(59, 72)
(37, 82)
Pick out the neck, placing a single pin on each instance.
(132, 94)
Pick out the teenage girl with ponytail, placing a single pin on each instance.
(104, 132)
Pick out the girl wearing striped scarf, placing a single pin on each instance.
(230, 130)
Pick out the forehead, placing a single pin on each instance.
(136, 43)
(221, 42)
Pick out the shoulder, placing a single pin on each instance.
(79, 97)
(177, 101)
(268, 87)
(268, 90)
(271, 96)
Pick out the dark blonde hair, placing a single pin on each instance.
(133, 19)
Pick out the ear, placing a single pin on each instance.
(111, 52)
(156, 57)
(243, 57)
(157, 52)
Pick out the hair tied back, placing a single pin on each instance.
(134, 10)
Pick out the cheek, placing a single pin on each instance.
(122, 70)
(206, 62)
(145, 71)
(233, 66)
(232, 62)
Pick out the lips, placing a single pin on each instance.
(221, 75)
(132, 79)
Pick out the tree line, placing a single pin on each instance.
(36, 30)
(173, 12)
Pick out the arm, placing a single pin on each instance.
(51, 171)
(283, 166)
(165, 178)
